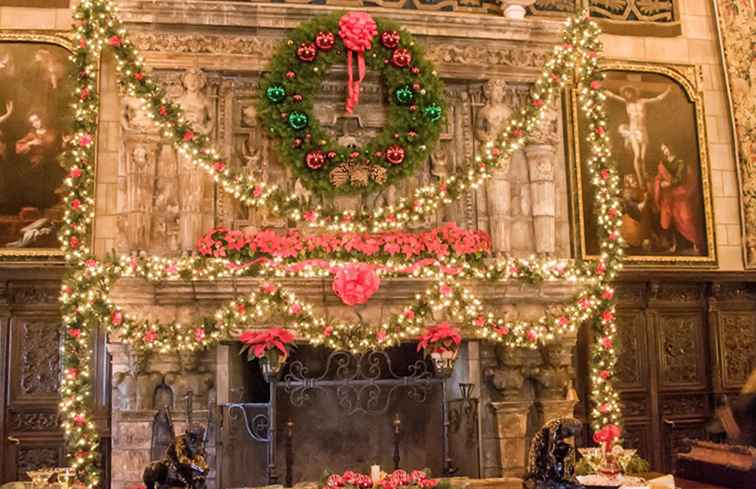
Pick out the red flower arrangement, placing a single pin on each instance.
(441, 338)
(273, 341)
(435, 243)
(355, 283)
(607, 435)
(395, 480)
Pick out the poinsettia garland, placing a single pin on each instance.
(85, 292)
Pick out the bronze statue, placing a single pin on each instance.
(184, 463)
(551, 460)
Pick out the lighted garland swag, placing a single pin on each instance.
(85, 302)
(414, 118)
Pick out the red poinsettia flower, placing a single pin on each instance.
(260, 342)
(440, 338)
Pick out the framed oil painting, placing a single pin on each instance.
(658, 138)
(36, 93)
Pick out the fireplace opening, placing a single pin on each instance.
(336, 411)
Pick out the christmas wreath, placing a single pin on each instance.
(414, 92)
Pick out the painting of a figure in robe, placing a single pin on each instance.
(655, 123)
(35, 114)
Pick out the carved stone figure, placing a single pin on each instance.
(140, 188)
(124, 391)
(551, 460)
(497, 196)
(554, 377)
(198, 111)
(134, 118)
(194, 377)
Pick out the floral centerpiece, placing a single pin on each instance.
(270, 346)
(355, 283)
(441, 343)
(398, 479)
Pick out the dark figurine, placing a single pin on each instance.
(184, 464)
(551, 460)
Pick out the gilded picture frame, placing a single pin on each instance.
(654, 112)
(35, 240)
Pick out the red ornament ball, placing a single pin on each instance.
(413, 108)
(297, 98)
(401, 58)
(354, 154)
(315, 159)
(325, 41)
(297, 142)
(415, 70)
(308, 137)
(378, 154)
(290, 75)
(395, 154)
(306, 52)
(390, 39)
(416, 87)
(331, 155)
(411, 134)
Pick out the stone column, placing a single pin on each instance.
(499, 201)
(543, 195)
(563, 408)
(511, 431)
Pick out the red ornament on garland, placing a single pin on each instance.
(395, 154)
(390, 39)
(401, 58)
(325, 41)
(297, 98)
(413, 108)
(416, 87)
(297, 142)
(290, 75)
(415, 70)
(315, 159)
(331, 155)
(306, 52)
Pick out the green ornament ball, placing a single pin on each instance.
(404, 95)
(298, 120)
(275, 93)
(433, 112)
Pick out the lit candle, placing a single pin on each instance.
(375, 473)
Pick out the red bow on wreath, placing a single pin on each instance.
(357, 30)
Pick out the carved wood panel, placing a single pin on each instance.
(737, 343)
(35, 367)
(32, 457)
(32, 421)
(631, 367)
(681, 353)
(639, 436)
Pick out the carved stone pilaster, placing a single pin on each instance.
(541, 158)
(553, 409)
(511, 431)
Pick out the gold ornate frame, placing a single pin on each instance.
(690, 79)
(64, 40)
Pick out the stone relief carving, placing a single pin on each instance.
(164, 204)
(40, 359)
(548, 372)
(634, 10)
(519, 200)
(737, 19)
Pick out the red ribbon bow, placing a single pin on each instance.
(356, 29)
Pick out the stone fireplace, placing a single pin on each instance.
(513, 391)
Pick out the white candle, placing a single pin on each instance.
(375, 473)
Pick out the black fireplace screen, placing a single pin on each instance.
(337, 411)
